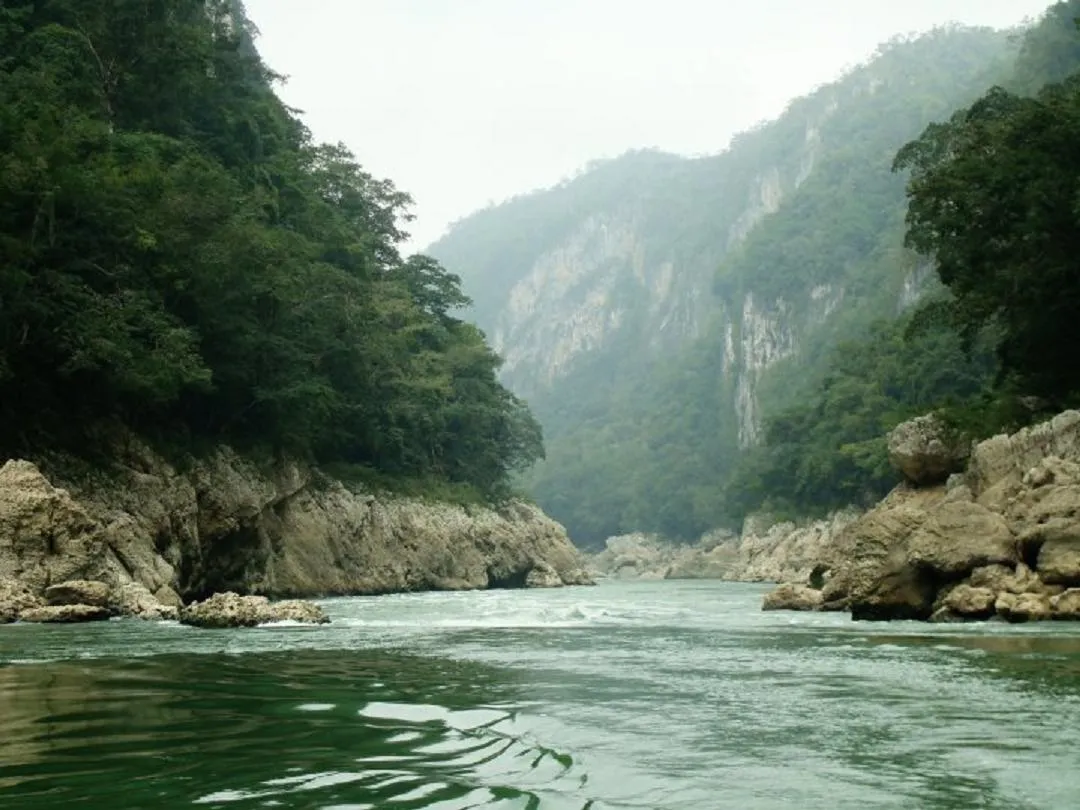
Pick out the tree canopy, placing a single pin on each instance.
(178, 254)
(994, 198)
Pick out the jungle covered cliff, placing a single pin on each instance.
(185, 270)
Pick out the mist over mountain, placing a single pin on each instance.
(657, 311)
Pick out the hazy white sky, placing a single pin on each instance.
(465, 102)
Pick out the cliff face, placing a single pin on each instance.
(226, 524)
(653, 286)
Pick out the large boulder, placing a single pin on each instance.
(78, 592)
(232, 610)
(959, 536)
(792, 596)
(543, 575)
(297, 610)
(65, 614)
(903, 592)
(926, 451)
(15, 597)
(134, 599)
(1066, 605)
(45, 536)
(875, 544)
(971, 602)
(1023, 607)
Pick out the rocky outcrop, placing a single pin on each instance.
(45, 536)
(1000, 540)
(232, 610)
(15, 597)
(65, 614)
(144, 536)
(766, 551)
(543, 575)
(78, 592)
(926, 451)
(790, 596)
(134, 599)
(650, 557)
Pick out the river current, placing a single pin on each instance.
(628, 695)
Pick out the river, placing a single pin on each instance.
(627, 695)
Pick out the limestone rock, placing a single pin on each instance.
(925, 451)
(900, 593)
(1059, 556)
(959, 536)
(45, 536)
(297, 610)
(875, 545)
(283, 529)
(765, 551)
(135, 600)
(78, 592)
(15, 598)
(1001, 462)
(1066, 605)
(791, 596)
(543, 575)
(971, 602)
(65, 614)
(1023, 607)
(232, 610)
(1002, 537)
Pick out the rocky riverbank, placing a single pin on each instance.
(765, 551)
(149, 537)
(1000, 538)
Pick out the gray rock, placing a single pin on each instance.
(926, 451)
(134, 599)
(15, 598)
(1066, 605)
(65, 614)
(1023, 607)
(792, 596)
(543, 575)
(232, 610)
(78, 592)
(971, 602)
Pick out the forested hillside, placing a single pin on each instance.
(658, 312)
(179, 256)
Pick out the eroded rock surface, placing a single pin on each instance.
(64, 614)
(233, 610)
(1001, 540)
(925, 450)
(790, 596)
(142, 537)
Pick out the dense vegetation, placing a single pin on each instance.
(992, 199)
(178, 255)
(643, 434)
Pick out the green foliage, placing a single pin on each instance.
(177, 254)
(648, 438)
(1050, 51)
(828, 451)
(993, 199)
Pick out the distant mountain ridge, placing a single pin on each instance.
(653, 308)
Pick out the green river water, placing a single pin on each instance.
(627, 695)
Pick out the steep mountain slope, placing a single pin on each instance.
(654, 308)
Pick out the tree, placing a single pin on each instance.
(993, 198)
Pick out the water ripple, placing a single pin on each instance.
(662, 695)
